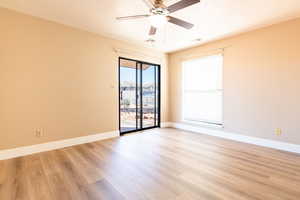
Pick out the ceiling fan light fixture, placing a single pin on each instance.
(158, 21)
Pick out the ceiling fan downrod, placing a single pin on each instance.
(158, 3)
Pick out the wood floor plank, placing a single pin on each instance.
(165, 164)
(103, 190)
(38, 185)
(58, 184)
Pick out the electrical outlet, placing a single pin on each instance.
(278, 131)
(39, 133)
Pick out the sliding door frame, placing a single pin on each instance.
(157, 117)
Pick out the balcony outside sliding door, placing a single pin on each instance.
(139, 96)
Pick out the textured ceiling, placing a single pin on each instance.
(213, 19)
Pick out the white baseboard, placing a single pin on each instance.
(166, 124)
(238, 137)
(27, 150)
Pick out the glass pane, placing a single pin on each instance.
(128, 95)
(157, 96)
(203, 106)
(205, 72)
(139, 99)
(148, 92)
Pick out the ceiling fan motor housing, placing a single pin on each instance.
(159, 11)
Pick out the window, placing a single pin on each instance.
(203, 90)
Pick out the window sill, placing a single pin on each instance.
(204, 124)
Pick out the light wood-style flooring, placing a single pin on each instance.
(159, 164)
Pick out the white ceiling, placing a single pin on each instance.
(213, 19)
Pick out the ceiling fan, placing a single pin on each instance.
(159, 14)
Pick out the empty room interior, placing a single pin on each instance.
(149, 100)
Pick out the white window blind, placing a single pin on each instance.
(203, 90)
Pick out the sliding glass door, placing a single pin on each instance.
(139, 95)
(128, 95)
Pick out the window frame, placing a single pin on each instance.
(202, 122)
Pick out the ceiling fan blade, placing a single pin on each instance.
(132, 17)
(149, 3)
(180, 22)
(181, 4)
(152, 30)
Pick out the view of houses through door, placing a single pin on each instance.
(139, 95)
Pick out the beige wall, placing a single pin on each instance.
(60, 79)
(261, 81)
(64, 81)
